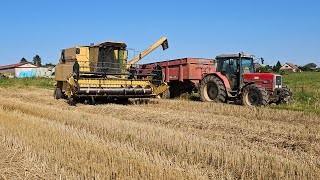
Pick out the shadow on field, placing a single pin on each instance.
(120, 101)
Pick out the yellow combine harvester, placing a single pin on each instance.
(102, 70)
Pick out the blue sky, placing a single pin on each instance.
(275, 30)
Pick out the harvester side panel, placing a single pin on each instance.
(63, 71)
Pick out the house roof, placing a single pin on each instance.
(10, 66)
(292, 66)
(257, 65)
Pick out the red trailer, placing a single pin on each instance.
(184, 75)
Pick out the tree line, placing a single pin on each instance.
(276, 68)
(36, 61)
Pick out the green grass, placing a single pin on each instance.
(310, 81)
(306, 91)
(46, 83)
(305, 87)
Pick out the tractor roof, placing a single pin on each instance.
(234, 56)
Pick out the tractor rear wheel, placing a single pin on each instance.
(212, 89)
(57, 93)
(255, 95)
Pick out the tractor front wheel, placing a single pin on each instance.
(255, 95)
(285, 96)
(212, 89)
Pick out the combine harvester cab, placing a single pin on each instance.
(102, 70)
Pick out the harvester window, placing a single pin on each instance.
(78, 51)
(63, 59)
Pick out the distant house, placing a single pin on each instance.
(316, 69)
(257, 65)
(23, 69)
(289, 67)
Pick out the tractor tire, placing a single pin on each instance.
(255, 95)
(165, 94)
(57, 93)
(285, 96)
(212, 89)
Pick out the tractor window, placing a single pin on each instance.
(225, 66)
(247, 66)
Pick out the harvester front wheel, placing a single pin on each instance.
(212, 89)
(255, 95)
(57, 93)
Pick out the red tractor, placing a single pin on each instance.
(235, 80)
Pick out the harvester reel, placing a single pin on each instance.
(255, 95)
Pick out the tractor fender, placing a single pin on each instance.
(245, 85)
(222, 77)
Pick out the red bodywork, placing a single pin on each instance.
(265, 80)
(185, 69)
(194, 69)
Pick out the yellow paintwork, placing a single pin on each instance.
(112, 83)
(83, 59)
(87, 58)
(162, 88)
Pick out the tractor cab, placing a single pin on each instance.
(234, 66)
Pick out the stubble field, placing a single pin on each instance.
(43, 138)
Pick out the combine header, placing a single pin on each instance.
(102, 70)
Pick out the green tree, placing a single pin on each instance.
(263, 69)
(277, 67)
(308, 67)
(23, 60)
(37, 60)
(50, 64)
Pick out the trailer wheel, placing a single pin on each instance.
(212, 89)
(165, 94)
(57, 93)
(255, 95)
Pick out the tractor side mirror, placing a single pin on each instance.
(262, 60)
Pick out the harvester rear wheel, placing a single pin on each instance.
(255, 95)
(57, 93)
(71, 101)
(212, 89)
